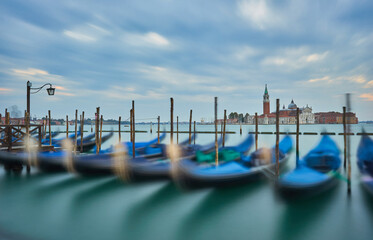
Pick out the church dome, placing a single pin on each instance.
(292, 105)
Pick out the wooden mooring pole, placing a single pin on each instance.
(216, 132)
(7, 118)
(277, 137)
(67, 126)
(9, 129)
(190, 126)
(101, 122)
(131, 135)
(177, 129)
(119, 134)
(159, 122)
(172, 121)
(194, 133)
(80, 129)
(76, 130)
(133, 129)
(225, 123)
(256, 131)
(81, 132)
(297, 141)
(348, 109)
(97, 127)
(49, 125)
(28, 169)
(45, 126)
(151, 127)
(344, 138)
(240, 127)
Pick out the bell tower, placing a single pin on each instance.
(265, 101)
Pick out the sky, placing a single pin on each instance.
(107, 53)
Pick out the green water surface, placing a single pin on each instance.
(67, 206)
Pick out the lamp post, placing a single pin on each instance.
(50, 91)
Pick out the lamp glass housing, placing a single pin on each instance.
(51, 91)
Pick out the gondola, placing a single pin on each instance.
(53, 134)
(138, 168)
(365, 162)
(56, 161)
(142, 148)
(189, 174)
(57, 141)
(91, 145)
(48, 161)
(158, 150)
(315, 173)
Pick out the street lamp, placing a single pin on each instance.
(50, 91)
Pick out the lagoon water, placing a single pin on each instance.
(67, 206)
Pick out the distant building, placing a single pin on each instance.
(229, 121)
(287, 115)
(13, 121)
(266, 108)
(335, 118)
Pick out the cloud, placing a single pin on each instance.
(294, 58)
(315, 57)
(64, 93)
(184, 81)
(5, 90)
(244, 52)
(367, 96)
(358, 79)
(275, 61)
(30, 71)
(369, 84)
(258, 14)
(60, 88)
(151, 39)
(323, 79)
(79, 36)
(41, 77)
(86, 33)
(119, 92)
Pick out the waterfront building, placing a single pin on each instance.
(287, 115)
(266, 108)
(335, 118)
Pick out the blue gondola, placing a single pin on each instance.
(150, 148)
(190, 174)
(140, 167)
(315, 173)
(365, 162)
(57, 141)
(55, 161)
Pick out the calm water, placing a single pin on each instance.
(66, 206)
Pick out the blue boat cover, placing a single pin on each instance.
(231, 167)
(365, 154)
(143, 144)
(57, 141)
(236, 167)
(303, 176)
(244, 146)
(325, 154)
